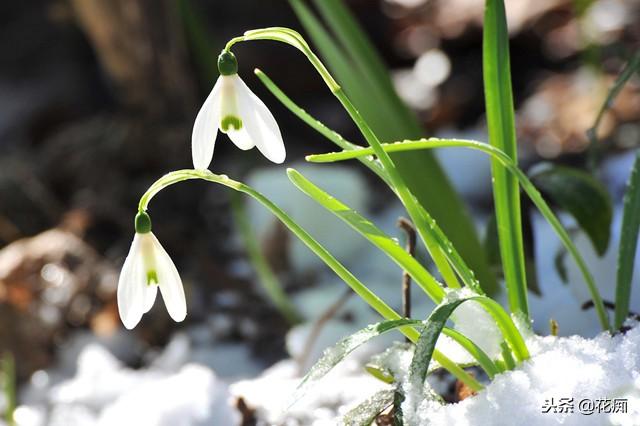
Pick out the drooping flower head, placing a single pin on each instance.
(147, 268)
(234, 109)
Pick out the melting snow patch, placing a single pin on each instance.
(603, 368)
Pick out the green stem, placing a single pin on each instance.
(266, 275)
(526, 184)
(358, 287)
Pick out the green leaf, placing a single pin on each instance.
(391, 120)
(367, 411)
(525, 183)
(502, 135)
(581, 195)
(628, 244)
(474, 350)
(334, 355)
(373, 234)
(434, 326)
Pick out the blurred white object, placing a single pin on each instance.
(104, 392)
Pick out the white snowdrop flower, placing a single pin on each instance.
(147, 268)
(234, 109)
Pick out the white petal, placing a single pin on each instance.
(205, 129)
(259, 123)
(170, 284)
(241, 138)
(131, 286)
(150, 292)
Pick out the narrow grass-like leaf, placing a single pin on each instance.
(366, 412)
(507, 358)
(502, 135)
(434, 327)
(372, 233)
(628, 244)
(585, 198)
(266, 276)
(526, 184)
(334, 355)
(380, 109)
(474, 350)
(356, 285)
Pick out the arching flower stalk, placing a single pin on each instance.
(147, 268)
(234, 109)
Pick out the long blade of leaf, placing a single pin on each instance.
(524, 181)
(434, 325)
(335, 354)
(628, 244)
(502, 135)
(372, 233)
(474, 350)
(391, 123)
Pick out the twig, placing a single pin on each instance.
(408, 228)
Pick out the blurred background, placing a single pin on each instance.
(98, 100)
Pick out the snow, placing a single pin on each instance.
(104, 392)
(560, 367)
(341, 390)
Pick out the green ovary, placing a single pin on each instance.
(152, 277)
(230, 121)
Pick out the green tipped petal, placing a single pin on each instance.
(230, 121)
(152, 277)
